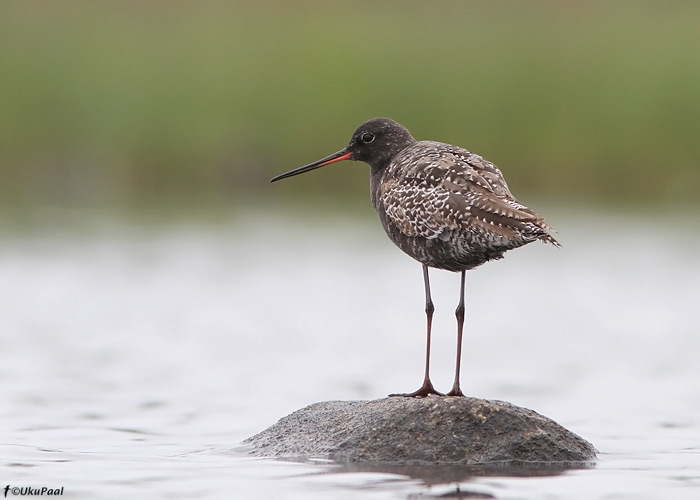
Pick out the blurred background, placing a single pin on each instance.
(182, 106)
(160, 298)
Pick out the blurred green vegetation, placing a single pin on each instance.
(186, 103)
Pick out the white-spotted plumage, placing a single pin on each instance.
(449, 208)
(444, 206)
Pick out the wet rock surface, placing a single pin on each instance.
(433, 430)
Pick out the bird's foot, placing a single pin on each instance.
(456, 391)
(426, 390)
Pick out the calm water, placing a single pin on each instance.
(134, 357)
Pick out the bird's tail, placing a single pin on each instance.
(544, 235)
(548, 238)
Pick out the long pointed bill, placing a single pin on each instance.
(335, 157)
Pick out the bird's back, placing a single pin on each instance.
(451, 209)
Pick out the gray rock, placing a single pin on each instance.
(433, 430)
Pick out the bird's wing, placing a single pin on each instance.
(451, 189)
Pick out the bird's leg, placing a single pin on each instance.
(456, 391)
(427, 388)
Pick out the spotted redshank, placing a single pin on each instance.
(442, 205)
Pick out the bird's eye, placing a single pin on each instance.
(367, 137)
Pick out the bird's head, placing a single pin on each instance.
(375, 142)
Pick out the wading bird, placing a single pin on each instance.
(442, 205)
